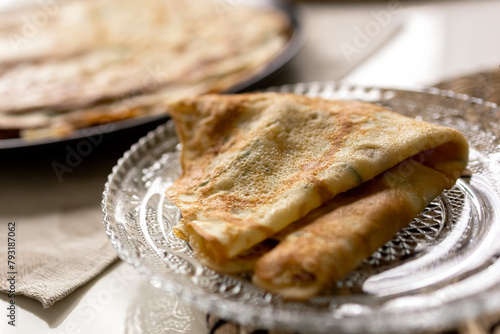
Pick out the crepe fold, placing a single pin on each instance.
(335, 238)
(255, 163)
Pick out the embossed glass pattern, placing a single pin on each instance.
(442, 267)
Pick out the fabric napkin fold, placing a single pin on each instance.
(58, 242)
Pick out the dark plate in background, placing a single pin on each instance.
(132, 129)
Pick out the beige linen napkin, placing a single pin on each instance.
(60, 242)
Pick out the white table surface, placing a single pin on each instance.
(419, 44)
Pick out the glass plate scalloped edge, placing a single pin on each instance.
(444, 267)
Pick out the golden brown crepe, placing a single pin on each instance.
(255, 163)
(335, 238)
(69, 65)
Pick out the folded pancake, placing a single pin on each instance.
(334, 239)
(254, 163)
(353, 225)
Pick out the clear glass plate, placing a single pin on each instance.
(443, 267)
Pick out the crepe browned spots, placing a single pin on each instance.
(255, 163)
